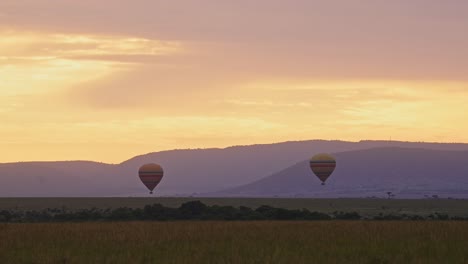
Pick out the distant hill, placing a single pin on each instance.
(406, 172)
(187, 172)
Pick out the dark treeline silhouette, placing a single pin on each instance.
(196, 210)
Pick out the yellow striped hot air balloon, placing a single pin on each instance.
(323, 165)
(151, 174)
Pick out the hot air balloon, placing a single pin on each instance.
(150, 174)
(322, 166)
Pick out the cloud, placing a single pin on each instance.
(115, 74)
(156, 88)
(320, 39)
(41, 62)
(267, 103)
(34, 46)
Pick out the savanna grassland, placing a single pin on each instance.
(236, 242)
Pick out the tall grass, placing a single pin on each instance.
(235, 242)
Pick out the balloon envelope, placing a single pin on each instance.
(151, 174)
(322, 165)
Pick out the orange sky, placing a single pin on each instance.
(106, 80)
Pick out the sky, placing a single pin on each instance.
(106, 80)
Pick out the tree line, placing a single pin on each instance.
(196, 210)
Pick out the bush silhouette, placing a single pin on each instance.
(196, 210)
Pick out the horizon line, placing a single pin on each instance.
(234, 146)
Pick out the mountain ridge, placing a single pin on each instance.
(188, 171)
(406, 172)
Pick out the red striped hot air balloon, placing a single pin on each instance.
(322, 165)
(150, 174)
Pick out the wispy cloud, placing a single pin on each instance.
(42, 46)
(38, 62)
(268, 103)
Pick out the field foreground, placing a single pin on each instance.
(236, 242)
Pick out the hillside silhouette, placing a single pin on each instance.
(207, 171)
(405, 172)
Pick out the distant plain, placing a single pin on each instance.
(364, 206)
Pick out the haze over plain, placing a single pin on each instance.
(364, 169)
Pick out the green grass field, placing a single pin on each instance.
(236, 242)
(365, 207)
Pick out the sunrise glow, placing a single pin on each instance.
(85, 89)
